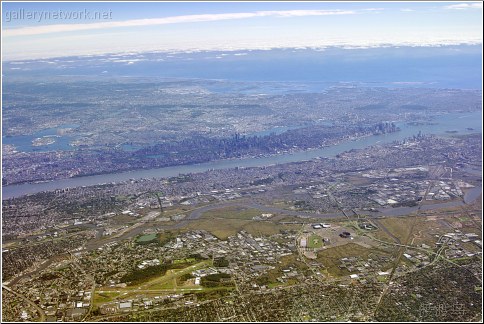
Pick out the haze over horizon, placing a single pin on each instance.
(47, 30)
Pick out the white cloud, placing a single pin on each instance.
(249, 33)
(373, 10)
(47, 29)
(62, 46)
(407, 10)
(463, 6)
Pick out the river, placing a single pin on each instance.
(459, 123)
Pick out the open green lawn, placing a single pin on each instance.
(166, 281)
(227, 221)
(225, 227)
(146, 238)
(398, 226)
(235, 212)
(315, 242)
(221, 228)
(331, 257)
(187, 260)
(104, 297)
(163, 284)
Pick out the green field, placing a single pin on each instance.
(187, 260)
(154, 285)
(315, 242)
(234, 212)
(105, 297)
(227, 221)
(223, 228)
(331, 257)
(399, 227)
(146, 238)
(287, 261)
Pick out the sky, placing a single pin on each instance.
(51, 29)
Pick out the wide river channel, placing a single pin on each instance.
(457, 123)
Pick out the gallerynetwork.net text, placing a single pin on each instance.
(40, 15)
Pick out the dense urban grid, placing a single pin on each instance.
(241, 162)
(71, 128)
(384, 233)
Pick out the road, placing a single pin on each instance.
(402, 248)
(195, 214)
(198, 212)
(37, 308)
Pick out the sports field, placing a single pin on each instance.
(315, 241)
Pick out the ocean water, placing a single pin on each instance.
(23, 143)
(442, 67)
